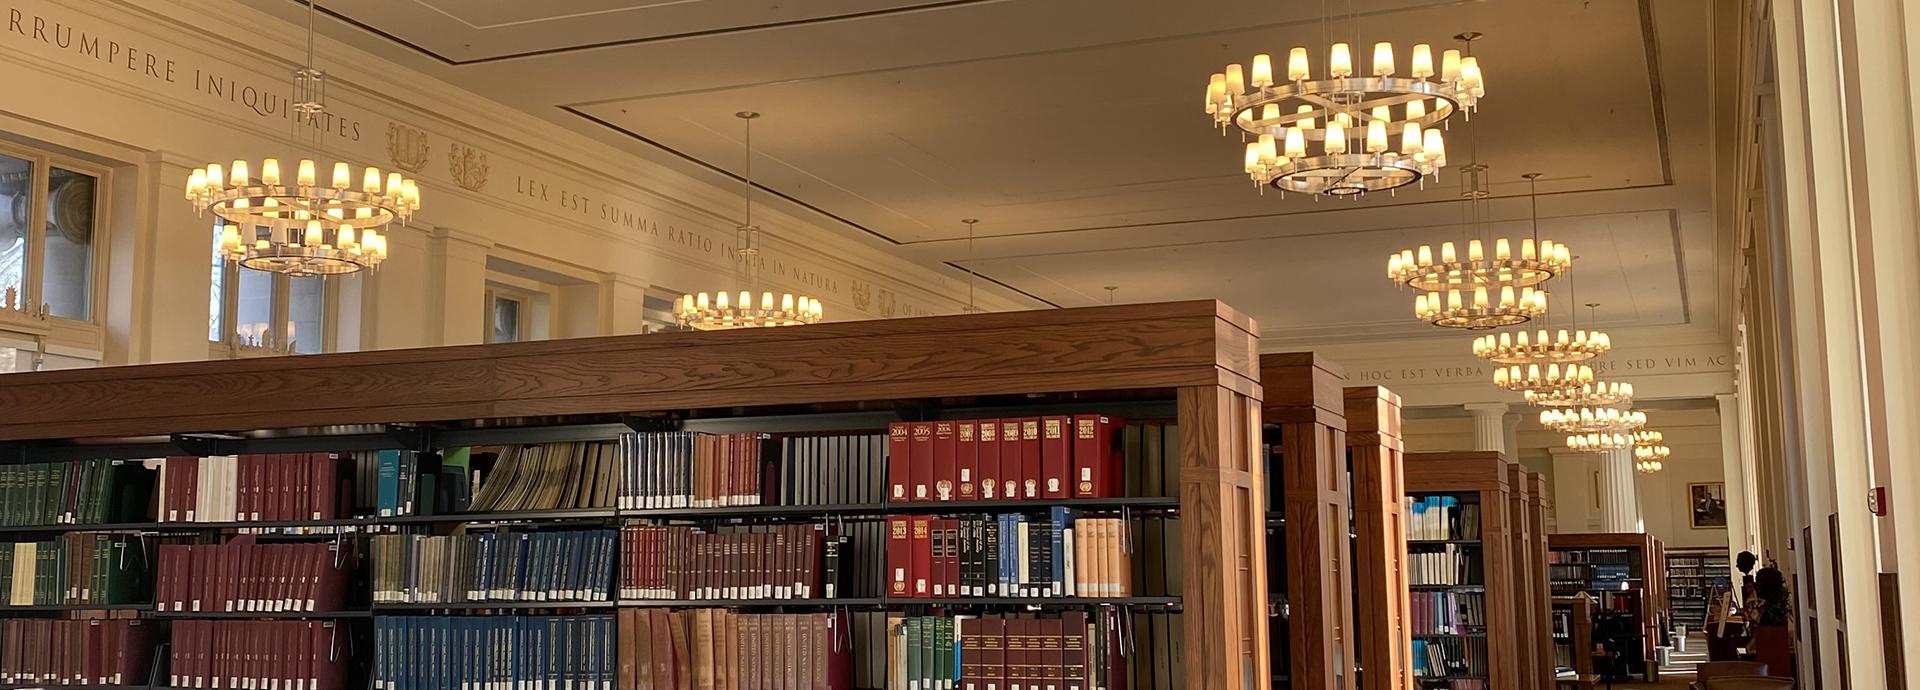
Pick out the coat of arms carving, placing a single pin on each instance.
(862, 295)
(887, 305)
(407, 146)
(468, 166)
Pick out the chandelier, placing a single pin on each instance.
(1596, 394)
(1548, 379)
(1545, 346)
(1481, 290)
(301, 227)
(1585, 419)
(1599, 441)
(1351, 118)
(698, 312)
(1648, 438)
(1648, 466)
(1653, 452)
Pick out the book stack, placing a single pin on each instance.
(1027, 458)
(1074, 651)
(78, 569)
(1442, 518)
(574, 565)
(242, 575)
(786, 561)
(718, 649)
(1058, 554)
(689, 469)
(250, 488)
(303, 655)
(1449, 564)
(1461, 661)
(1448, 613)
(829, 470)
(467, 652)
(84, 492)
(1152, 453)
(75, 652)
(548, 476)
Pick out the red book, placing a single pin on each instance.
(951, 526)
(1052, 652)
(967, 458)
(946, 466)
(899, 472)
(1094, 468)
(969, 654)
(1056, 456)
(1030, 472)
(899, 557)
(1074, 650)
(986, 464)
(937, 541)
(920, 454)
(180, 507)
(922, 549)
(1016, 654)
(1010, 462)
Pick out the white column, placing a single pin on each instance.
(1739, 486)
(1576, 498)
(1489, 426)
(461, 262)
(1510, 435)
(1619, 500)
(623, 301)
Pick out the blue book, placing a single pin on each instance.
(387, 497)
(1009, 555)
(1061, 521)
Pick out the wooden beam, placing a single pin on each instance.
(1374, 450)
(1224, 552)
(1526, 616)
(1305, 400)
(1539, 504)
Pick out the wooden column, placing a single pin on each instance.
(1374, 452)
(1224, 550)
(1304, 397)
(1520, 544)
(1484, 472)
(1538, 504)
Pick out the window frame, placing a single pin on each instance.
(84, 338)
(523, 301)
(280, 288)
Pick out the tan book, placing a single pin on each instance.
(494, 486)
(682, 650)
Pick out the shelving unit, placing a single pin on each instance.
(1476, 488)
(1624, 574)
(1375, 454)
(1696, 578)
(1572, 634)
(1529, 619)
(1193, 361)
(1304, 411)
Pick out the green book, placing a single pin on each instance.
(943, 651)
(910, 628)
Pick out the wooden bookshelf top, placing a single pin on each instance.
(1113, 348)
(1303, 386)
(1602, 540)
(1471, 470)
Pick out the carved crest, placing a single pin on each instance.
(407, 147)
(862, 295)
(887, 305)
(468, 166)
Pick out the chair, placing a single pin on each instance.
(1717, 669)
(1750, 683)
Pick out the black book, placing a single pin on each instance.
(990, 551)
(1040, 556)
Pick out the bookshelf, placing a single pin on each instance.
(1623, 572)
(1572, 633)
(1696, 578)
(1462, 570)
(1304, 410)
(1191, 364)
(1529, 620)
(1539, 506)
(1375, 453)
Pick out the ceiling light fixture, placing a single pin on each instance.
(1648, 465)
(1483, 289)
(1648, 438)
(303, 228)
(698, 312)
(1586, 419)
(1596, 394)
(971, 307)
(1654, 452)
(1551, 378)
(1546, 346)
(1598, 442)
(1350, 117)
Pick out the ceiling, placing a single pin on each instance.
(1073, 130)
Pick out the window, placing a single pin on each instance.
(51, 251)
(505, 319)
(244, 304)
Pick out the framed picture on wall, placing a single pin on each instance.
(1708, 505)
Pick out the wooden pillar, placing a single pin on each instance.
(1484, 472)
(1538, 505)
(1374, 452)
(1304, 396)
(1520, 544)
(1224, 548)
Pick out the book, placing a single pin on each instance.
(724, 649)
(76, 652)
(452, 653)
(782, 561)
(259, 654)
(544, 476)
(244, 575)
(76, 569)
(280, 487)
(1061, 553)
(84, 492)
(559, 566)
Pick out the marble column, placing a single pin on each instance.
(1619, 500)
(1489, 426)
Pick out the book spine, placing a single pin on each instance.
(987, 459)
(920, 460)
(1056, 451)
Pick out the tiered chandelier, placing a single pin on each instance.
(1482, 290)
(1592, 419)
(303, 228)
(1596, 394)
(1650, 451)
(697, 312)
(1546, 346)
(1599, 441)
(1550, 379)
(1351, 118)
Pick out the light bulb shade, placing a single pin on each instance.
(1262, 76)
(1340, 61)
(1382, 59)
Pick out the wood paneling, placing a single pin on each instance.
(1580, 628)
(1487, 473)
(1224, 544)
(1653, 608)
(1374, 450)
(1539, 505)
(1101, 348)
(1526, 615)
(1305, 399)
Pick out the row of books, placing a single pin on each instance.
(249, 488)
(85, 492)
(1059, 554)
(781, 561)
(1450, 656)
(468, 652)
(572, 565)
(550, 476)
(718, 649)
(259, 654)
(1050, 457)
(75, 652)
(1438, 518)
(1447, 613)
(76, 569)
(244, 575)
(1445, 564)
(690, 469)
